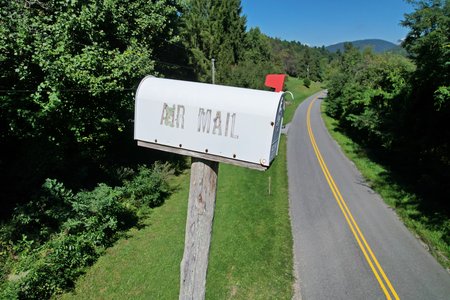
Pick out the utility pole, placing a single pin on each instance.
(213, 70)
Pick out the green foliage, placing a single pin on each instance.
(98, 214)
(398, 110)
(299, 60)
(78, 227)
(69, 70)
(256, 62)
(428, 44)
(216, 30)
(428, 41)
(149, 187)
(60, 262)
(71, 56)
(366, 91)
(307, 82)
(44, 215)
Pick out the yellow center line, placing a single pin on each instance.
(360, 239)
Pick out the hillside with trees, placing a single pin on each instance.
(298, 60)
(401, 105)
(398, 108)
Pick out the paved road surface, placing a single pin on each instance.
(348, 244)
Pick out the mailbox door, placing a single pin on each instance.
(277, 130)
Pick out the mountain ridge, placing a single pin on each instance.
(377, 45)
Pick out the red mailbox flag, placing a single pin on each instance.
(275, 81)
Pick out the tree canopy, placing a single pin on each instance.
(214, 29)
(402, 106)
(69, 71)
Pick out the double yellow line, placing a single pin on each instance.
(363, 245)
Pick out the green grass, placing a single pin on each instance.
(251, 247)
(432, 229)
(251, 250)
(145, 265)
(300, 92)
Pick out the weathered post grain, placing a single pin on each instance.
(200, 215)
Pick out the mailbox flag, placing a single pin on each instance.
(275, 81)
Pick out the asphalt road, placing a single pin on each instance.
(348, 244)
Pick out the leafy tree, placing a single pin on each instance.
(257, 61)
(340, 80)
(257, 46)
(69, 69)
(427, 113)
(299, 60)
(389, 104)
(366, 92)
(428, 43)
(61, 53)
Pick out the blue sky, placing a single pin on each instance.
(327, 22)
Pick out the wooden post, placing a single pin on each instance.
(200, 215)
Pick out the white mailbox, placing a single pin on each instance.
(219, 123)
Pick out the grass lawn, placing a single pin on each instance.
(145, 265)
(296, 87)
(251, 247)
(251, 250)
(430, 228)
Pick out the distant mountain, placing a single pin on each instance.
(378, 46)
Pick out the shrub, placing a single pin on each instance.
(44, 214)
(64, 259)
(149, 188)
(59, 233)
(98, 213)
(307, 82)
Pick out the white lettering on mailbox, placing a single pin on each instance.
(218, 123)
(173, 116)
(204, 123)
(204, 120)
(168, 115)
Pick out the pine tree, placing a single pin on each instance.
(214, 29)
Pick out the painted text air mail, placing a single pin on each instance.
(223, 123)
